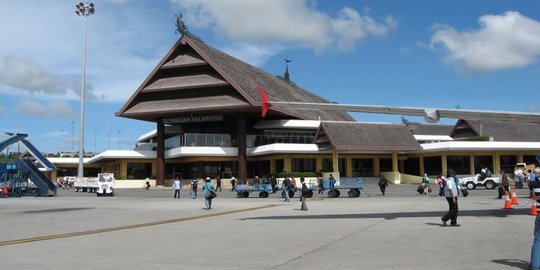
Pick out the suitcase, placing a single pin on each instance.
(420, 189)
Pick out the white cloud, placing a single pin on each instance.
(295, 23)
(351, 27)
(256, 55)
(50, 43)
(27, 75)
(505, 41)
(53, 109)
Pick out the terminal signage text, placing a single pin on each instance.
(194, 119)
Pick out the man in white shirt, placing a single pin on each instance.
(176, 186)
(451, 193)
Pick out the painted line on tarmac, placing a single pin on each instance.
(128, 227)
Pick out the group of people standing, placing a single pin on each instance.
(208, 188)
(289, 185)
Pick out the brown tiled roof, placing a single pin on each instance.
(185, 104)
(421, 129)
(365, 136)
(500, 131)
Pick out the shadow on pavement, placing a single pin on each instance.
(519, 264)
(389, 216)
(57, 210)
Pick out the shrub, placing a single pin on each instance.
(296, 174)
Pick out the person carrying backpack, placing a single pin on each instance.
(209, 193)
(304, 194)
(285, 186)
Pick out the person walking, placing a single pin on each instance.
(535, 249)
(194, 189)
(285, 186)
(303, 194)
(233, 183)
(176, 186)
(147, 182)
(505, 183)
(320, 182)
(218, 183)
(273, 183)
(441, 181)
(292, 184)
(426, 185)
(209, 193)
(531, 177)
(383, 183)
(332, 181)
(451, 193)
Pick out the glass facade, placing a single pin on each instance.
(303, 164)
(139, 170)
(433, 166)
(362, 167)
(197, 170)
(530, 159)
(202, 139)
(270, 137)
(481, 162)
(385, 164)
(328, 166)
(508, 162)
(280, 165)
(460, 164)
(412, 166)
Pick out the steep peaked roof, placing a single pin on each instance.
(500, 131)
(353, 136)
(195, 76)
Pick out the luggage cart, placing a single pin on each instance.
(243, 191)
(354, 185)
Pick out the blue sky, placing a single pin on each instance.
(475, 54)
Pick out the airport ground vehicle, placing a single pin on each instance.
(242, 191)
(354, 185)
(105, 182)
(86, 184)
(472, 182)
(101, 185)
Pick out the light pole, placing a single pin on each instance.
(72, 134)
(85, 11)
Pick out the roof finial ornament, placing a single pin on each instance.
(181, 27)
(286, 75)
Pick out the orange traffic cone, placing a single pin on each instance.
(507, 202)
(533, 207)
(514, 197)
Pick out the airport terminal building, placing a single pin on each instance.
(208, 119)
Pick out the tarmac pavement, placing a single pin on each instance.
(139, 229)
